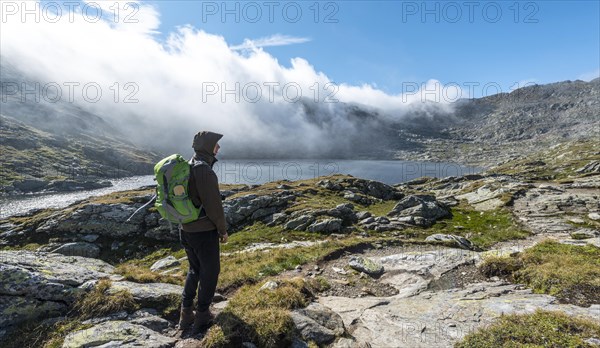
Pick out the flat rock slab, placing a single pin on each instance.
(440, 319)
(151, 294)
(118, 334)
(411, 272)
(47, 276)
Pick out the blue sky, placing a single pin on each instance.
(391, 43)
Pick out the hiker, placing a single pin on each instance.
(201, 238)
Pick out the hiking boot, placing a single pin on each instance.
(186, 318)
(202, 321)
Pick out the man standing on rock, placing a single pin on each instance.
(201, 238)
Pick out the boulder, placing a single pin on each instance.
(300, 223)
(107, 220)
(167, 262)
(358, 198)
(15, 310)
(318, 323)
(361, 215)
(584, 233)
(326, 226)
(249, 208)
(424, 209)
(47, 276)
(78, 249)
(368, 266)
(154, 295)
(38, 285)
(344, 212)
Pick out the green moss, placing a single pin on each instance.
(539, 329)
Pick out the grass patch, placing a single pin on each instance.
(261, 316)
(261, 233)
(98, 303)
(139, 274)
(558, 163)
(138, 270)
(569, 272)
(248, 268)
(30, 221)
(483, 228)
(539, 329)
(120, 197)
(381, 208)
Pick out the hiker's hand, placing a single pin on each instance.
(223, 238)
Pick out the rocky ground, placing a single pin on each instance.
(336, 261)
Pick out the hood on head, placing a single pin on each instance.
(205, 141)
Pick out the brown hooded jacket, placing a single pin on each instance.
(204, 186)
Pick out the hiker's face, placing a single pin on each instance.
(217, 147)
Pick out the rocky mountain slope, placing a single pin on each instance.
(502, 127)
(58, 145)
(334, 261)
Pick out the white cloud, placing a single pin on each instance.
(269, 41)
(173, 83)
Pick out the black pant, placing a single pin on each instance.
(202, 249)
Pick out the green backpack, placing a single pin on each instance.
(173, 202)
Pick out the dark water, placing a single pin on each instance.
(255, 172)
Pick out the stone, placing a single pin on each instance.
(361, 215)
(167, 262)
(594, 216)
(152, 322)
(47, 276)
(358, 198)
(367, 220)
(318, 323)
(593, 341)
(300, 223)
(458, 241)
(118, 334)
(15, 310)
(584, 233)
(270, 285)
(163, 232)
(154, 295)
(424, 209)
(339, 270)
(90, 238)
(366, 265)
(246, 209)
(345, 212)
(425, 319)
(78, 249)
(326, 226)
